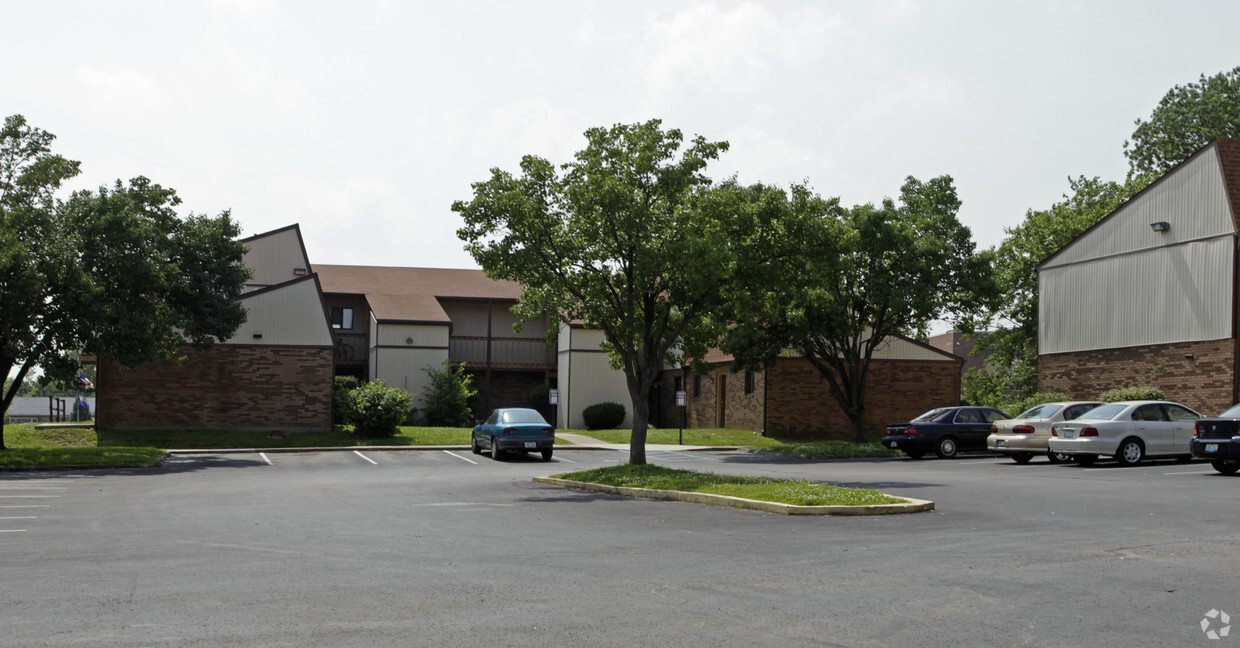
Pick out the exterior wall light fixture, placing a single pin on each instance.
(1160, 226)
(409, 340)
(299, 272)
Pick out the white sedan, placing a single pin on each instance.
(1028, 434)
(1129, 431)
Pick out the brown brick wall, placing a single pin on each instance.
(798, 403)
(224, 387)
(1204, 382)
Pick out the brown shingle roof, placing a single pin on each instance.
(412, 294)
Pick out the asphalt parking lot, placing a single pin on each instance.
(432, 547)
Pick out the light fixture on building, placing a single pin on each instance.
(1160, 226)
(409, 340)
(298, 272)
(1188, 356)
(258, 336)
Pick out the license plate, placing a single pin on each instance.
(1069, 434)
(1211, 447)
(1003, 444)
(531, 444)
(892, 444)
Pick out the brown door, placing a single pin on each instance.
(721, 397)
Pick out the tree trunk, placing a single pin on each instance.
(641, 423)
(857, 422)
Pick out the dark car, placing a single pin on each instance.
(513, 429)
(945, 431)
(1218, 440)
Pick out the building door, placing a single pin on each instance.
(721, 398)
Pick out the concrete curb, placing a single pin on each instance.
(186, 451)
(910, 506)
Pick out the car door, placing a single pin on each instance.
(1151, 424)
(1183, 424)
(971, 428)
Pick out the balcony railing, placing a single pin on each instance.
(522, 353)
(350, 349)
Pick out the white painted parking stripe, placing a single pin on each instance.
(12, 530)
(563, 459)
(16, 487)
(20, 517)
(365, 457)
(264, 456)
(26, 496)
(461, 458)
(24, 506)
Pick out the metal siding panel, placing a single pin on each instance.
(292, 315)
(594, 381)
(406, 368)
(470, 319)
(435, 335)
(273, 258)
(1164, 295)
(1192, 199)
(899, 349)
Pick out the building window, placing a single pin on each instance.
(342, 318)
(749, 382)
(697, 386)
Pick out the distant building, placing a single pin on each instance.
(43, 409)
(957, 344)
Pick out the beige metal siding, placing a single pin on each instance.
(1192, 199)
(469, 319)
(291, 315)
(406, 368)
(1163, 295)
(901, 349)
(275, 258)
(418, 335)
(586, 378)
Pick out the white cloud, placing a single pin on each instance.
(124, 94)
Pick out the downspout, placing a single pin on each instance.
(486, 402)
(1235, 321)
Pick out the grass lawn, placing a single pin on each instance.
(784, 491)
(747, 439)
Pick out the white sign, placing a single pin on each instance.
(680, 399)
(553, 397)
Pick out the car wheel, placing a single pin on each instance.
(1058, 457)
(947, 448)
(915, 454)
(1227, 468)
(1129, 452)
(1022, 457)
(1085, 459)
(546, 455)
(473, 445)
(496, 453)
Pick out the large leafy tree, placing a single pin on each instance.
(112, 272)
(863, 275)
(1187, 118)
(631, 238)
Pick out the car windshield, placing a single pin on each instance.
(1234, 412)
(523, 416)
(1040, 412)
(1104, 412)
(932, 415)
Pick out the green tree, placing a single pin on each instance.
(112, 272)
(448, 396)
(864, 275)
(631, 238)
(1187, 118)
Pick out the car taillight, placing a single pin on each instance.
(1023, 429)
(994, 429)
(1053, 432)
(1196, 428)
(509, 431)
(1089, 431)
(549, 430)
(910, 431)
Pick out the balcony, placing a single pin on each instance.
(506, 353)
(350, 349)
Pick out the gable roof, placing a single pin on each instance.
(411, 295)
(1228, 157)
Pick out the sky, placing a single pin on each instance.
(363, 121)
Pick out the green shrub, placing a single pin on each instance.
(340, 397)
(1131, 393)
(1036, 399)
(603, 416)
(449, 396)
(376, 409)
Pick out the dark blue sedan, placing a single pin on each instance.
(945, 431)
(513, 429)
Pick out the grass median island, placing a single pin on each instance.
(747, 439)
(78, 447)
(783, 491)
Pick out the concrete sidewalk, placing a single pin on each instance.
(575, 442)
(581, 441)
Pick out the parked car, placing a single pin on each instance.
(513, 429)
(945, 431)
(1217, 439)
(1129, 431)
(1028, 434)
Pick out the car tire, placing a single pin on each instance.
(1058, 457)
(947, 448)
(1226, 468)
(1022, 457)
(915, 454)
(496, 453)
(1085, 459)
(546, 455)
(1129, 452)
(473, 445)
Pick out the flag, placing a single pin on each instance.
(86, 383)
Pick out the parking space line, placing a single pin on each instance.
(26, 496)
(4, 488)
(20, 517)
(461, 458)
(563, 459)
(365, 457)
(4, 506)
(265, 458)
(12, 530)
